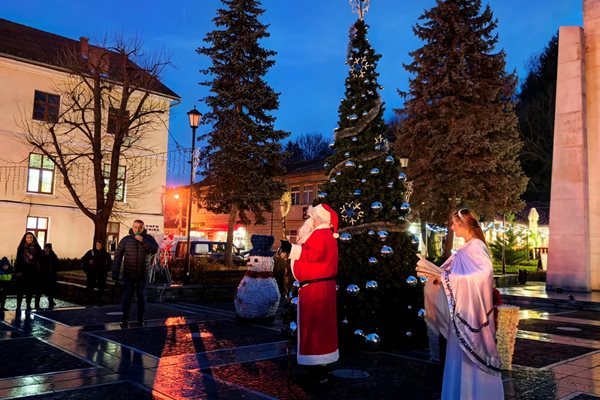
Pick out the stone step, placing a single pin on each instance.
(551, 304)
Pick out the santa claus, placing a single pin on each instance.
(314, 261)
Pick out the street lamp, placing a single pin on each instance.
(194, 118)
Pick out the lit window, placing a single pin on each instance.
(308, 195)
(46, 106)
(40, 174)
(112, 236)
(120, 193)
(39, 227)
(295, 192)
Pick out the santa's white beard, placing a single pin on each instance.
(305, 231)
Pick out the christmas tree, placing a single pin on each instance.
(458, 124)
(243, 156)
(380, 297)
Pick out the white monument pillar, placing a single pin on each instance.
(569, 249)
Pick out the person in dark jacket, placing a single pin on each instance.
(6, 273)
(134, 252)
(29, 253)
(46, 276)
(96, 264)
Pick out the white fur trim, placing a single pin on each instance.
(323, 213)
(319, 359)
(295, 252)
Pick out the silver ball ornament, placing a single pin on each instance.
(294, 301)
(357, 192)
(296, 284)
(349, 164)
(386, 251)
(371, 232)
(345, 237)
(353, 290)
(389, 160)
(372, 261)
(402, 177)
(411, 281)
(373, 341)
(405, 207)
(422, 313)
(359, 333)
(374, 171)
(383, 235)
(322, 195)
(293, 327)
(376, 206)
(371, 285)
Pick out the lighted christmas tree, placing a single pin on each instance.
(380, 297)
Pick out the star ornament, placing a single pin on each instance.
(352, 213)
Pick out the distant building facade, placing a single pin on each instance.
(302, 180)
(33, 196)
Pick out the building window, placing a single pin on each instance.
(111, 125)
(120, 193)
(46, 106)
(112, 236)
(295, 192)
(308, 195)
(39, 227)
(40, 174)
(293, 236)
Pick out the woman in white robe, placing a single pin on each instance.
(459, 305)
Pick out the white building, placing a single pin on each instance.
(33, 196)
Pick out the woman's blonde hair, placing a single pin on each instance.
(470, 220)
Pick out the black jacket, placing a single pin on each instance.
(134, 255)
(96, 261)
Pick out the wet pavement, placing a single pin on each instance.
(200, 351)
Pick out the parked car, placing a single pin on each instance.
(207, 248)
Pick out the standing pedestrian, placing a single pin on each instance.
(6, 274)
(46, 276)
(134, 252)
(459, 304)
(96, 263)
(29, 253)
(314, 263)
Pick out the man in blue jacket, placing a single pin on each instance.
(134, 253)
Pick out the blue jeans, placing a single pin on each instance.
(129, 284)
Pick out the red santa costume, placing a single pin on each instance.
(314, 265)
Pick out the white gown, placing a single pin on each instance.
(463, 313)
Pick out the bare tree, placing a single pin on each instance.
(314, 146)
(110, 99)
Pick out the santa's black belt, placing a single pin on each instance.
(309, 281)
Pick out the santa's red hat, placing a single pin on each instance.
(327, 214)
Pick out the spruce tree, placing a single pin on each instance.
(535, 110)
(243, 154)
(379, 293)
(459, 126)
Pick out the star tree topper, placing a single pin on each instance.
(360, 7)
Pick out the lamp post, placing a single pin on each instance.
(194, 118)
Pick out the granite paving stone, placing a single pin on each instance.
(114, 391)
(28, 356)
(108, 314)
(558, 328)
(532, 353)
(165, 341)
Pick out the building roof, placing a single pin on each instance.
(34, 46)
(305, 166)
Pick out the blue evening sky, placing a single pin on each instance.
(310, 39)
